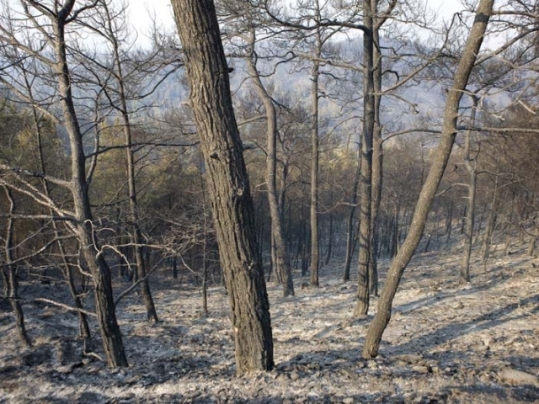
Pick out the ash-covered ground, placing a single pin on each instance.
(477, 343)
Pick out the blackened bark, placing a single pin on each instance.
(228, 184)
(365, 199)
(315, 249)
(470, 165)
(12, 288)
(350, 228)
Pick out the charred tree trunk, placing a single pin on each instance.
(315, 249)
(12, 282)
(470, 165)
(365, 224)
(136, 238)
(350, 230)
(228, 183)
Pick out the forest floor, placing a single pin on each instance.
(477, 343)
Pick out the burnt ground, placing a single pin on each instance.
(445, 343)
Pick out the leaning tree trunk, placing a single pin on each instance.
(428, 191)
(228, 183)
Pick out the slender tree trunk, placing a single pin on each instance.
(449, 221)
(428, 191)
(84, 229)
(489, 228)
(377, 154)
(362, 306)
(281, 259)
(315, 249)
(174, 267)
(350, 230)
(137, 240)
(377, 161)
(228, 183)
(470, 165)
(12, 281)
(395, 233)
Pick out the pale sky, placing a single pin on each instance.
(139, 9)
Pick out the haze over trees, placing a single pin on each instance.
(263, 142)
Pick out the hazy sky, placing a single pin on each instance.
(139, 9)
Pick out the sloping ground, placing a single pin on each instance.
(473, 344)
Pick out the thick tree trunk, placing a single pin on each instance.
(428, 191)
(228, 183)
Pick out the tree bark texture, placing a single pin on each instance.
(365, 199)
(228, 184)
(428, 191)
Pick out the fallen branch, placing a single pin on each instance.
(64, 306)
